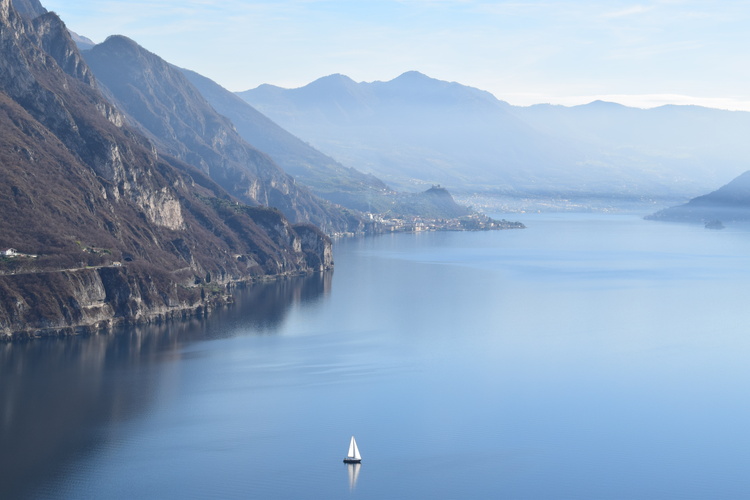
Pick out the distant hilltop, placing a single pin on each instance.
(729, 203)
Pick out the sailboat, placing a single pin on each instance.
(353, 457)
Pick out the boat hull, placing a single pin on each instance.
(348, 460)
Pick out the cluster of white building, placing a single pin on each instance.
(12, 252)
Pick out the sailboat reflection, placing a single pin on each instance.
(353, 474)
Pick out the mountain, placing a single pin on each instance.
(325, 176)
(29, 8)
(416, 130)
(729, 203)
(693, 148)
(168, 109)
(434, 203)
(82, 42)
(104, 227)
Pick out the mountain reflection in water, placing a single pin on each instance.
(53, 392)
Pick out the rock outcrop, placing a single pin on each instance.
(164, 104)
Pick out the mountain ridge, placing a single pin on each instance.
(164, 104)
(729, 203)
(322, 174)
(416, 131)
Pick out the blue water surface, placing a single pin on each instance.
(585, 357)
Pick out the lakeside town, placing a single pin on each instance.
(413, 224)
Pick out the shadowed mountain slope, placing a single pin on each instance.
(172, 112)
(106, 230)
(29, 8)
(325, 176)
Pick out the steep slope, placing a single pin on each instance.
(167, 107)
(107, 230)
(325, 176)
(729, 203)
(29, 8)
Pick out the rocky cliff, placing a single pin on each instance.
(161, 101)
(326, 177)
(105, 228)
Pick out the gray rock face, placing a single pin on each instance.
(107, 229)
(29, 8)
(322, 174)
(160, 100)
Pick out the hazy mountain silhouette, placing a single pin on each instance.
(415, 129)
(325, 176)
(172, 112)
(729, 203)
(82, 42)
(686, 148)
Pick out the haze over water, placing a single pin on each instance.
(586, 357)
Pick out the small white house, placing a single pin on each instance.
(10, 252)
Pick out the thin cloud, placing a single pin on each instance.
(630, 11)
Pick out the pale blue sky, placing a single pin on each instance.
(639, 53)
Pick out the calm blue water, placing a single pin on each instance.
(586, 357)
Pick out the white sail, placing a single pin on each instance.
(353, 450)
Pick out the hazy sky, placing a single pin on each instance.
(638, 53)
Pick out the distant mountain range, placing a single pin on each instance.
(199, 122)
(161, 101)
(325, 176)
(415, 130)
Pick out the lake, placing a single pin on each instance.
(585, 357)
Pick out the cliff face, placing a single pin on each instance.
(162, 102)
(29, 8)
(322, 174)
(107, 229)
